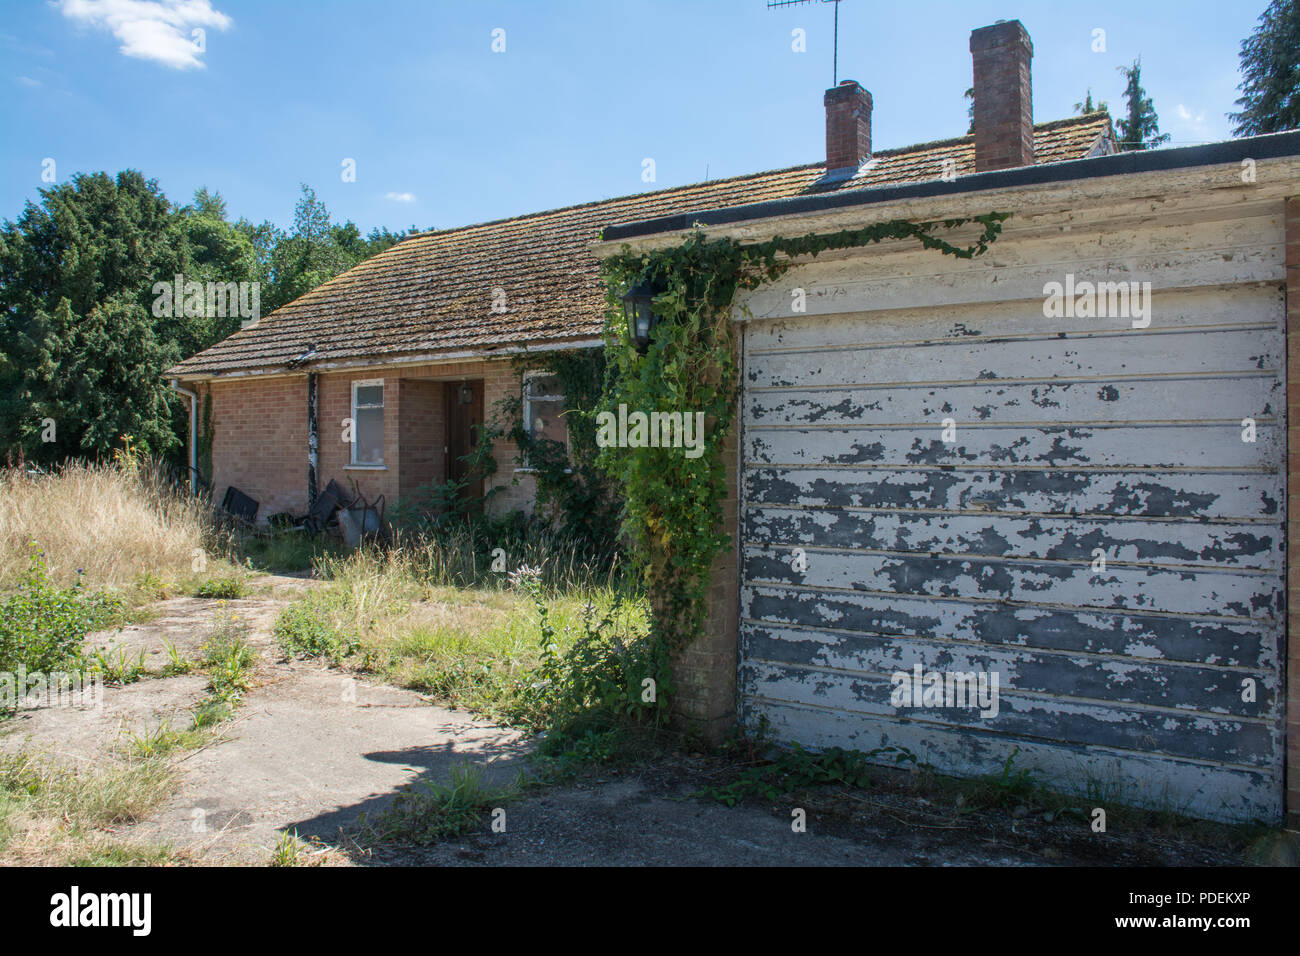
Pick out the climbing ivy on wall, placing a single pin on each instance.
(204, 448)
(673, 502)
(571, 489)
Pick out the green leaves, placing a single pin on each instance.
(42, 626)
(673, 503)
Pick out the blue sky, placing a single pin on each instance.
(444, 131)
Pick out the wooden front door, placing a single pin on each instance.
(464, 419)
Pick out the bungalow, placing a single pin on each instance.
(982, 512)
(413, 347)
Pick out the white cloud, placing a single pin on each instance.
(400, 197)
(158, 30)
(28, 81)
(1195, 121)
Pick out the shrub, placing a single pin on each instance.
(604, 680)
(303, 630)
(224, 588)
(43, 626)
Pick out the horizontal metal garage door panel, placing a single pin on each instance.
(1227, 739)
(1059, 539)
(1224, 593)
(1031, 490)
(1254, 305)
(1093, 446)
(1136, 634)
(1108, 356)
(1256, 395)
(1125, 776)
(1184, 686)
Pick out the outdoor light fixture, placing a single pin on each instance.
(638, 308)
(467, 394)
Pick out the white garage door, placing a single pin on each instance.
(874, 548)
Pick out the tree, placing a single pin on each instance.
(78, 346)
(970, 110)
(1141, 129)
(1087, 106)
(215, 250)
(1270, 65)
(81, 344)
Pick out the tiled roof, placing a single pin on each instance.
(433, 293)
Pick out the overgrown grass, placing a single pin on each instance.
(481, 648)
(224, 588)
(282, 551)
(106, 524)
(427, 812)
(228, 660)
(54, 814)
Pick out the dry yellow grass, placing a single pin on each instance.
(115, 523)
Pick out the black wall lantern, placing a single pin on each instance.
(466, 395)
(638, 309)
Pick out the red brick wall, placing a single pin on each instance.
(848, 125)
(260, 434)
(704, 674)
(421, 459)
(259, 442)
(1293, 509)
(1004, 107)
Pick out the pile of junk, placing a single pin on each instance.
(349, 516)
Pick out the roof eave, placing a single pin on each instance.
(947, 199)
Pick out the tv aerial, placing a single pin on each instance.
(835, 68)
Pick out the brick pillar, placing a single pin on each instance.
(1292, 773)
(848, 126)
(705, 673)
(1004, 107)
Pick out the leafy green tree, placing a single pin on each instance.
(315, 250)
(77, 339)
(1087, 106)
(1270, 65)
(215, 250)
(1140, 129)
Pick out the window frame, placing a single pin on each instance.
(528, 400)
(356, 423)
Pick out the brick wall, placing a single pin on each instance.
(848, 125)
(1004, 106)
(421, 460)
(259, 442)
(1293, 510)
(705, 673)
(260, 434)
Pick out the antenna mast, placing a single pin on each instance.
(835, 68)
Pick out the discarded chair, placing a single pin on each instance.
(327, 503)
(239, 505)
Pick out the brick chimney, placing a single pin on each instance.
(848, 127)
(1004, 109)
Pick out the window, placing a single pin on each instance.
(544, 408)
(368, 423)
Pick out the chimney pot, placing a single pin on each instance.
(1004, 109)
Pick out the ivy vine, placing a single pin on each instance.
(572, 491)
(673, 504)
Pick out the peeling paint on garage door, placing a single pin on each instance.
(1092, 529)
